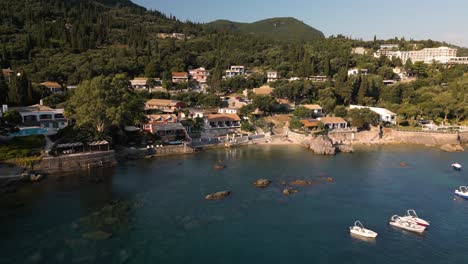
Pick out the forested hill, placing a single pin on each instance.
(279, 28)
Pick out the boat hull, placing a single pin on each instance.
(417, 220)
(408, 228)
(461, 194)
(366, 234)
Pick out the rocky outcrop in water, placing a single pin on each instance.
(452, 148)
(322, 145)
(262, 183)
(290, 191)
(301, 183)
(218, 195)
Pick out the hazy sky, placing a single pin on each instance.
(444, 20)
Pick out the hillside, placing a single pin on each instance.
(280, 28)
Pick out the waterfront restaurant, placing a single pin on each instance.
(334, 122)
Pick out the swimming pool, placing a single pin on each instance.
(29, 131)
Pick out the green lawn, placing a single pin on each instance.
(21, 147)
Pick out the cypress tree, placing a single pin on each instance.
(3, 90)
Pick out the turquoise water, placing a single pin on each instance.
(156, 213)
(30, 132)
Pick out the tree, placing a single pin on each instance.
(362, 92)
(362, 118)
(104, 102)
(302, 112)
(327, 99)
(263, 102)
(3, 90)
(9, 122)
(20, 91)
(340, 111)
(295, 123)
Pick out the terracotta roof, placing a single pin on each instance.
(332, 120)
(310, 122)
(51, 84)
(162, 102)
(164, 117)
(223, 117)
(179, 74)
(312, 106)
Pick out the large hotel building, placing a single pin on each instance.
(427, 55)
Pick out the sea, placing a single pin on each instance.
(154, 211)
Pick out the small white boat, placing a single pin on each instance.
(359, 230)
(456, 166)
(408, 225)
(412, 216)
(462, 192)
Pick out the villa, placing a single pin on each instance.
(315, 108)
(164, 105)
(200, 75)
(272, 76)
(157, 120)
(356, 71)
(179, 77)
(216, 125)
(139, 83)
(40, 115)
(334, 122)
(235, 71)
(384, 114)
(54, 87)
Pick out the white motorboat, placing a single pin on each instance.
(359, 230)
(462, 192)
(404, 224)
(456, 166)
(412, 216)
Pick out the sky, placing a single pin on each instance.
(442, 20)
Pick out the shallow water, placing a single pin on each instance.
(156, 212)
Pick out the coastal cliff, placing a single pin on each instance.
(343, 141)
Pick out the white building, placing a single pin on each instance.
(272, 76)
(40, 115)
(227, 110)
(139, 83)
(356, 71)
(235, 71)
(427, 55)
(359, 50)
(384, 114)
(389, 46)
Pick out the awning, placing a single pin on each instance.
(98, 143)
(69, 145)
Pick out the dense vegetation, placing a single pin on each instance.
(79, 42)
(279, 28)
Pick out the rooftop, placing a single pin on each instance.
(264, 90)
(378, 110)
(51, 84)
(162, 102)
(223, 117)
(332, 120)
(179, 74)
(34, 108)
(312, 106)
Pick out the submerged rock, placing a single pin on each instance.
(452, 148)
(329, 179)
(403, 164)
(218, 195)
(219, 166)
(283, 183)
(262, 183)
(36, 258)
(345, 148)
(301, 183)
(97, 235)
(289, 191)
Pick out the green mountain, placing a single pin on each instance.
(279, 28)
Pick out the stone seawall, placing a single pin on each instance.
(76, 162)
(391, 136)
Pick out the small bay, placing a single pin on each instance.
(154, 211)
